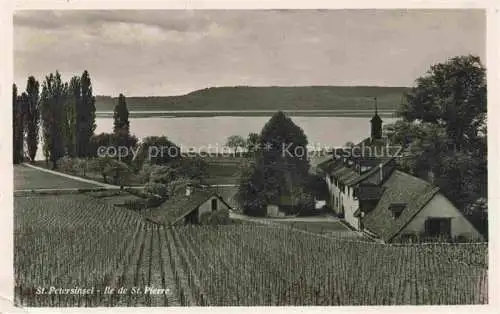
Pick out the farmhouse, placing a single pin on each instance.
(188, 206)
(354, 174)
(367, 191)
(409, 206)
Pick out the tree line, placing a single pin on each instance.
(63, 111)
(443, 128)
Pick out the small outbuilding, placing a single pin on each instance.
(188, 206)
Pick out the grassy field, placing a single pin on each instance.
(267, 98)
(28, 178)
(133, 180)
(221, 170)
(78, 241)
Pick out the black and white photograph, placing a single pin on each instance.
(249, 157)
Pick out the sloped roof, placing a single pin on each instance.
(370, 192)
(180, 205)
(367, 155)
(400, 188)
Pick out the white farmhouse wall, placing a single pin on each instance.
(206, 207)
(440, 207)
(350, 206)
(337, 205)
(339, 199)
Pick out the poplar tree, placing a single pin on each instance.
(121, 124)
(17, 127)
(52, 102)
(32, 120)
(85, 116)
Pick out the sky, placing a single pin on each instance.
(173, 52)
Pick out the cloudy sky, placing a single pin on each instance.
(175, 52)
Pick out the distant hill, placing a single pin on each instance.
(266, 98)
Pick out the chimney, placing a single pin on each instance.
(430, 176)
(189, 189)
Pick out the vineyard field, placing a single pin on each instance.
(69, 241)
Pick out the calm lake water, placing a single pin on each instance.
(200, 132)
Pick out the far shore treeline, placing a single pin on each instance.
(287, 98)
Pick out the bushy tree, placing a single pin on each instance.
(451, 94)
(125, 143)
(118, 171)
(99, 165)
(253, 143)
(164, 175)
(281, 166)
(251, 195)
(194, 168)
(444, 131)
(157, 150)
(236, 142)
(157, 188)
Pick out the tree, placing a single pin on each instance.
(349, 144)
(118, 146)
(252, 144)
(283, 159)
(118, 171)
(251, 195)
(444, 130)
(99, 165)
(52, 101)
(236, 142)
(195, 168)
(85, 116)
(280, 170)
(157, 150)
(17, 126)
(451, 94)
(70, 116)
(121, 122)
(32, 116)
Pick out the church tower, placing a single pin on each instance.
(376, 124)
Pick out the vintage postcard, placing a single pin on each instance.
(249, 157)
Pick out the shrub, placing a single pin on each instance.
(154, 201)
(156, 150)
(162, 174)
(65, 164)
(80, 166)
(219, 217)
(118, 171)
(138, 193)
(156, 188)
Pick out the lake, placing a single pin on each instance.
(200, 132)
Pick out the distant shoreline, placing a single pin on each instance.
(249, 113)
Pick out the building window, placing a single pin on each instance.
(214, 204)
(397, 209)
(438, 227)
